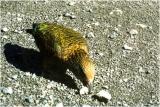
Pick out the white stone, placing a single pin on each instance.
(133, 32)
(85, 105)
(33, 76)
(73, 17)
(28, 74)
(119, 25)
(105, 87)
(8, 13)
(84, 90)
(59, 19)
(104, 94)
(101, 54)
(142, 25)
(46, 105)
(18, 31)
(71, 3)
(90, 10)
(59, 105)
(46, 1)
(5, 37)
(89, 25)
(141, 69)
(125, 79)
(8, 90)
(50, 85)
(14, 76)
(126, 47)
(19, 19)
(96, 23)
(5, 29)
(18, 15)
(117, 11)
(90, 35)
(113, 35)
(67, 14)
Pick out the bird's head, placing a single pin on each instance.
(89, 71)
(39, 26)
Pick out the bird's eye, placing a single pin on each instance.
(35, 26)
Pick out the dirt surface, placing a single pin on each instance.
(123, 42)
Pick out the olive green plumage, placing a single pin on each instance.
(66, 44)
(59, 40)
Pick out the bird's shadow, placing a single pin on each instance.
(30, 60)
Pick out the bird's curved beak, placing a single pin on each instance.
(89, 86)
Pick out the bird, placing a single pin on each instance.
(68, 45)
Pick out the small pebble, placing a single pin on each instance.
(125, 105)
(20, 32)
(90, 10)
(84, 90)
(105, 87)
(34, 76)
(73, 17)
(117, 11)
(5, 29)
(126, 47)
(28, 74)
(90, 35)
(116, 29)
(85, 105)
(8, 13)
(14, 77)
(96, 23)
(8, 90)
(70, 15)
(17, 31)
(104, 94)
(29, 99)
(113, 35)
(50, 85)
(119, 103)
(133, 32)
(1, 88)
(89, 25)
(101, 54)
(142, 25)
(120, 80)
(71, 3)
(59, 19)
(46, 105)
(119, 25)
(141, 69)
(125, 79)
(46, 1)
(67, 14)
(19, 19)
(59, 105)
(5, 37)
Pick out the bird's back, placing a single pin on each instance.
(57, 39)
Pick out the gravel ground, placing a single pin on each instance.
(123, 42)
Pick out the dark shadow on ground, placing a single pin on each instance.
(30, 60)
(100, 99)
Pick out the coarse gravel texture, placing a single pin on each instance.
(130, 74)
